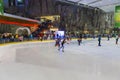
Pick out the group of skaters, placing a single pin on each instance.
(108, 38)
(60, 42)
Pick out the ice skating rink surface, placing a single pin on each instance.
(42, 61)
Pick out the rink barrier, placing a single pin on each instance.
(5, 44)
(26, 42)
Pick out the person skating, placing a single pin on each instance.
(58, 43)
(79, 39)
(99, 40)
(62, 45)
(108, 36)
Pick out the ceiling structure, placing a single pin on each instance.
(106, 5)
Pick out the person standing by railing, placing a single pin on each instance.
(16, 37)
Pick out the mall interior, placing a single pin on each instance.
(59, 40)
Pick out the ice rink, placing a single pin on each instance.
(42, 61)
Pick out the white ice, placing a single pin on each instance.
(42, 61)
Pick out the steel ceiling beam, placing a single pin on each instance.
(93, 2)
(79, 1)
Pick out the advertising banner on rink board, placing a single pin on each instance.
(117, 16)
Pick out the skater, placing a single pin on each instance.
(58, 43)
(79, 39)
(108, 36)
(62, 45)
(99, 40)
(117, 38)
